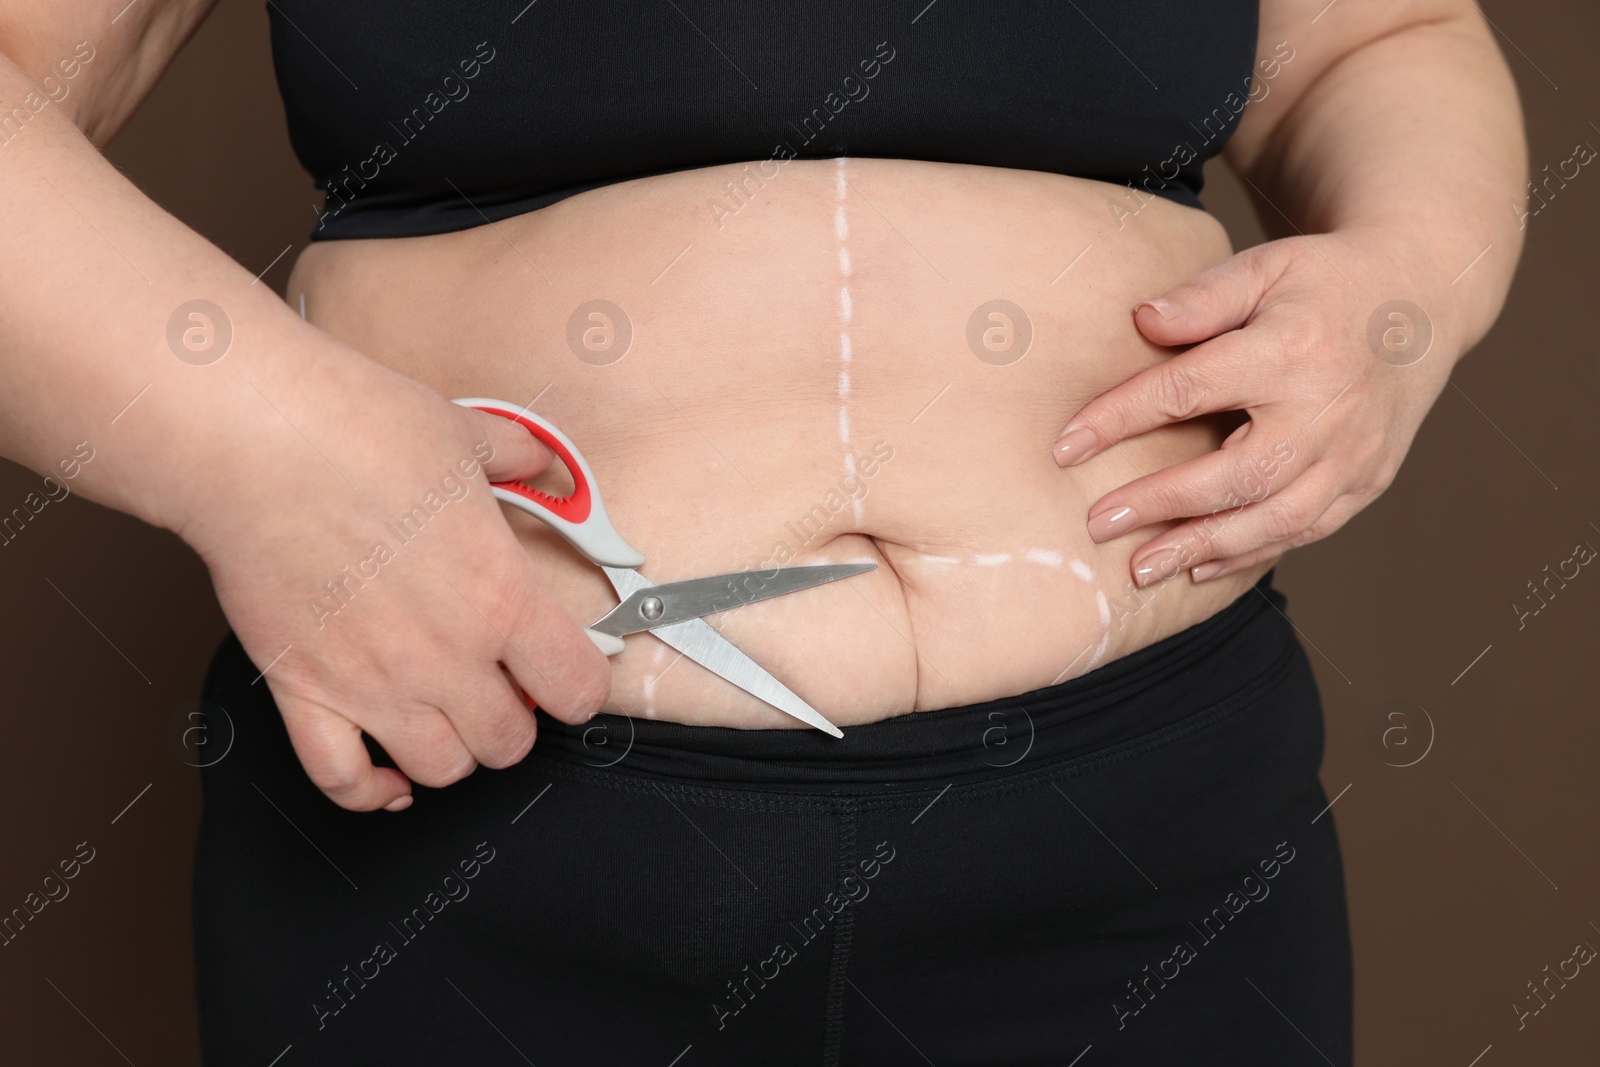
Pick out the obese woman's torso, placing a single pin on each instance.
(802, 378)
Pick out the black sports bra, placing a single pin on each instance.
(421, 117)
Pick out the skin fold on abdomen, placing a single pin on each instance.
(821, 361)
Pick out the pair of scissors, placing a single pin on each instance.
(672, 611)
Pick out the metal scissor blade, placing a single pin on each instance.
(696, 639)
(656, 606)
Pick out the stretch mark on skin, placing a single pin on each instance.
(841, 231)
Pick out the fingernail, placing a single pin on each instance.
(607, 644)
(1208, 569)
(398, 803)
(1074, 446)
(1162, 306)
(1112, 523)
(1156, 568)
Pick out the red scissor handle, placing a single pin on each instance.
(580, 516)
(575, 506)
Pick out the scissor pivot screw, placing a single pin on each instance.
(652, 607)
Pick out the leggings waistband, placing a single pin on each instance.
(1219, 662)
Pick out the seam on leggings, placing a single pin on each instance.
(843, 938)
(813, 802)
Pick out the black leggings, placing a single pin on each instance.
(1136, 863)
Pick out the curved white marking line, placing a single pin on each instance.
(939, 559)
(1081, 569)
(658, 653)
(991, 559)
(1046, 557)
(1099, 650)
(1104, 608)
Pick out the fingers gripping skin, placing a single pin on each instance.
(1206, 379)
(1279, 333)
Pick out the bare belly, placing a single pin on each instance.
(800, 372)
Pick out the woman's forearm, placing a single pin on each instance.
(94, 346)
(1415, 134)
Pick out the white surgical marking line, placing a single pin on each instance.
(649, 687)
(302, 315)
(1045, 556)
(1103, 607)
(991, 559)
(1100, 649)
(841, 230)
(1081, 569)
(939, 559)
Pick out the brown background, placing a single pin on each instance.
(1468, 872)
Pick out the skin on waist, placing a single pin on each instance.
(869, 361)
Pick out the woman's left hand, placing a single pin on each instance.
(1317, 340)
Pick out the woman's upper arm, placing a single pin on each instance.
(96, 59)
(1300, 40)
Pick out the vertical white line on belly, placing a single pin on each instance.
(1100, 650)
(1104, 608)
(841, 231)
(649, 696)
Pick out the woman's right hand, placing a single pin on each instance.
(375, 581)
(283, 459)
